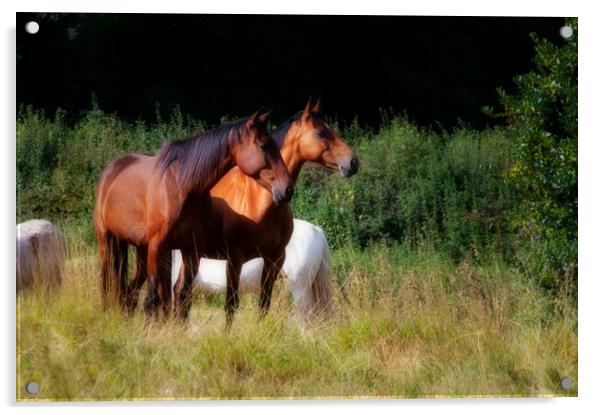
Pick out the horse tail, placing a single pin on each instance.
(114, 265)
(321, 286)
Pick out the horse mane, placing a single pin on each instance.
(280, 133)
(201, 157)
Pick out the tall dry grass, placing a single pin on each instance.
(408, 323)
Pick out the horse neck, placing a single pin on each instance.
(259, 199)
(291, 154)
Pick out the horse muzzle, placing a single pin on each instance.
(281, 197)
(351, 168)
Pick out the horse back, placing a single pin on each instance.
(120, 205)
(114, 169)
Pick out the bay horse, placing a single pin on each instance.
(306, 270)
(245, 223)
(162, 202)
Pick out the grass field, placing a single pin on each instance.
(409, 323)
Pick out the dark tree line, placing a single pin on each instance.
(436, 69)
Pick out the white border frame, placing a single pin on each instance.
(590, 285)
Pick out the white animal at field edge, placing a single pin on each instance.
(306, 270)
(41, 255)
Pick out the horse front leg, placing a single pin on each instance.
(159, 276)
(183, 288)
(139, 279)
(233, 267)
(271, 270)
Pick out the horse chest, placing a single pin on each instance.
(191, 221)
(261, 238)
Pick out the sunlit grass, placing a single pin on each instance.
(408, 323)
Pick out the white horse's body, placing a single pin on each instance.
(306, 269)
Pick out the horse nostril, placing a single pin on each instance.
(288, 192)
(354, 164)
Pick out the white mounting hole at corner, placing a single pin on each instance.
(566, 32)
(32, 388)
(32, 27)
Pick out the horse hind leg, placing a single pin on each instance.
(121, 270)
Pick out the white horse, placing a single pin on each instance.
(40, 254)
(306, 269)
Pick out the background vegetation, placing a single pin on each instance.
(455, 257)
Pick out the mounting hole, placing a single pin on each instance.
(566, 32)
(32, 27)
(566, 383)
(32, 388)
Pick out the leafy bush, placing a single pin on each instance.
(543, 121)
(58, 164)
(415, 186)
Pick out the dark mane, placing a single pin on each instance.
(280, 133)
(202, 157)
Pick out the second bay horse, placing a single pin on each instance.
(246, 223)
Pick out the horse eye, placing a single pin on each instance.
(323, 134)
(264, 146)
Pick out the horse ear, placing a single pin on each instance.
(263, 118)
(307, 111)
(316, 107)
(252, 120)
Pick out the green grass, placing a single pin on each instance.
(409, 322)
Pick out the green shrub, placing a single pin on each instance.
(415, 186)
(58, 164)
(543, 121)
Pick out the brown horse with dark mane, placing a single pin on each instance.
(246, 224)
(159, 203)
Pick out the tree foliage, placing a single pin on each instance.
(437, 69)
(543, 117)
